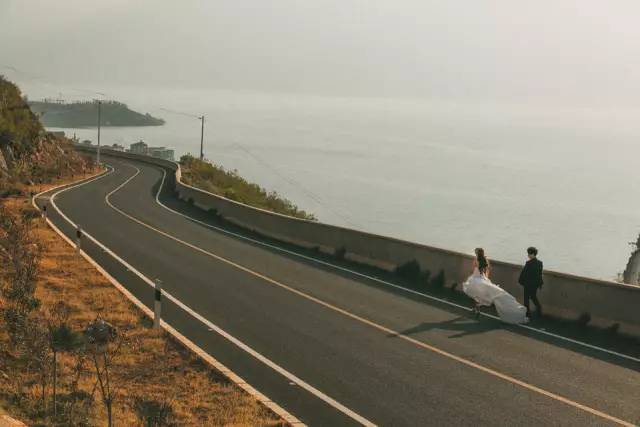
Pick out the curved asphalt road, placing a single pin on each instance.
(377, 354)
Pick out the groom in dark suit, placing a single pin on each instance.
(531, 280)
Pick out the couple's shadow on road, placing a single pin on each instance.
(462, 326)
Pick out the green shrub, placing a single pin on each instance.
(584, 319)
(613, 329)
(438, 281)
(425, 277)
(230, 194)
(10, 190)
(410, 270)
(340, 253)
(153, 413)
(215, 179)
(29, 213)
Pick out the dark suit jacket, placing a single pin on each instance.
(531, 275)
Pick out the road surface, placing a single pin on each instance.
(331, 346)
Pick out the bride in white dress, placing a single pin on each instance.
(479, 287)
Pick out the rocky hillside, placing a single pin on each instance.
(29, 154)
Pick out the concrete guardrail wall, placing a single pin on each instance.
(564, 296)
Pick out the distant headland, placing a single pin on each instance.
(60, 114)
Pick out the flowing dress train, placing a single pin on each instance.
(484, 292)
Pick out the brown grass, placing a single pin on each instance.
(151, 365)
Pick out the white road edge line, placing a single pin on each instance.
(291, 377)
(228, 373)
(384, 282)
(382, 328)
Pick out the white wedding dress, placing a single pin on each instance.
(479, 287)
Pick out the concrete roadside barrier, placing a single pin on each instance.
(606, 304)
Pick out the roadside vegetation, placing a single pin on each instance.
(53, 369)
(215, 179)
(73, 350)
(29, 154)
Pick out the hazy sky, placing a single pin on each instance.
(573, 52)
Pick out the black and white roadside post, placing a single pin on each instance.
(157, 304)
(78, 238)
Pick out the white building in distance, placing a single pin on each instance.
(161, 153)
(141, 147)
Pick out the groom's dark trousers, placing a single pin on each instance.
(531, 293)
(531, 280)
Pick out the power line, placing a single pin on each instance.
(24, 73)
(181, 113)
(304, 190)
(93, 92)
(34, 78)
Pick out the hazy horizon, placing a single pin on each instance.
(513, 102)
(568, 53)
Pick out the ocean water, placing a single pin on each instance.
(447, 174)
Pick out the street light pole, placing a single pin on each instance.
(202, 138)
(99, 121)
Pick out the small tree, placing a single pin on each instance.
(61, 339)
(78, 402)
(104, 343)
(36, 345)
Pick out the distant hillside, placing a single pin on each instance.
(85, 114)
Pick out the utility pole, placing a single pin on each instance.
(99, 121)
(202, 138)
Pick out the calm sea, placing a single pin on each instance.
(446, 174)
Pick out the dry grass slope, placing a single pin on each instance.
(151, 364)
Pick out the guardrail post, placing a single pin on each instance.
(157, 304)
(78, 239)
